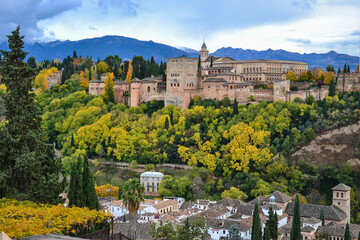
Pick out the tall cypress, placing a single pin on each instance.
(256, 224)
(347, 235)
(76, 194)
(199, 63)
(348, 68)
(266, 235)
(296, 222)
(28, 169)
(322, 218)
(91, 199)
(272, 224)
(345, 69)
(166, 123)
(235, 107)
(332, 88)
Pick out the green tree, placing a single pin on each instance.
(235, 108)
(211, 62)
(295, 233)
(348, 68)
(28, 169)
(196, 229)
(234, 233)
(166, 126)
(132, 194)
(267, 235)
(256, 225)
(322, 218)
(332, 88)
(32, 63)
(347, 235)
(359, 236)
(272, 224)
(163, 231)
(75, 55)
(199, 63)
(91, 199)
(234, 193)
(345, 69)
(76, 188)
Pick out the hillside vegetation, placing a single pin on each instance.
(229, 145)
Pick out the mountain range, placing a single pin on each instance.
(127, 48)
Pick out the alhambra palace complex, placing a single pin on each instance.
(216, 78)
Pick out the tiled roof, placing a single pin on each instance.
(166, 203)
(118, 203)
(215, 80)
(204, 45)
(338, 230)
(120, 82)
(214, 212)
(202, 202)
(244, 224)
(95, 81)
(312, 220)
(230, 202)
(279, 197)
(187, 204)
(312, 210)
(307, 229)
(274, 206)
(341, 187)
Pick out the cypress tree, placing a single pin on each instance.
(28, 169)
(347, 235)
(166, 123)
(348, 68)
(344, 68)
(332, 88)
(74, 54)
(322, 218)
(339, 71)
(199, 63)
(272, 224)
(256, 225)
(296, 222)
(91, 199)
(266, 235)
(235, 107)
(76, 194)
(90, 74)
(211, 62)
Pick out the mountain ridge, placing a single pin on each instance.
(127, 48)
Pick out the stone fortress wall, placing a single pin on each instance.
(217, 78)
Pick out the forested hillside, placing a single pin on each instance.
(230, 145)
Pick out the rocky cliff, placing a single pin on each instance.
(335, 147)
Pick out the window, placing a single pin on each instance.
(342, 195)
(338, 203)
(148, 89)
(337, 194)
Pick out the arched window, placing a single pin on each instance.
(148, 89)
(342, 195)
(337, 194)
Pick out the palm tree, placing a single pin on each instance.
(132, 194)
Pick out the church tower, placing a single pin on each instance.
(204, 52)
(341, 198)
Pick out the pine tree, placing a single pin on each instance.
(234, 233)
(296, 222)
(347, 235)
(76, 194)
(32, 63)
(235, 107)
(166, 123)
(91, 199)
(332, 88)
(29, 169)
(256, 225)
(322, 218)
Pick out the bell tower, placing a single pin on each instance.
(204, 52)
(341, 198)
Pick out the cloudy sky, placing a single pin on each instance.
(293, 25)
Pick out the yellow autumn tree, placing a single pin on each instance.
(129, 73)
(102, 67)
(246, 146)
(2, 89)
(291, 76)
(84, 80)
(107, 190)
(41, 80)
(109, 94)
(328, 77)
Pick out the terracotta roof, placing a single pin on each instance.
(166, 203)
(274, 206)
(312, 220)
(118, 203)
(230, 202)
(279, 197)
(312, 210)
(214, 212)
(338, 230)
(307, 229)
(202, 202)
(341, 187)
(187, 204)
(120, 82)
(244, 224)
(149, 202)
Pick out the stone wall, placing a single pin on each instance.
(348, 82)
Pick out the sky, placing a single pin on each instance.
(302, 26)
